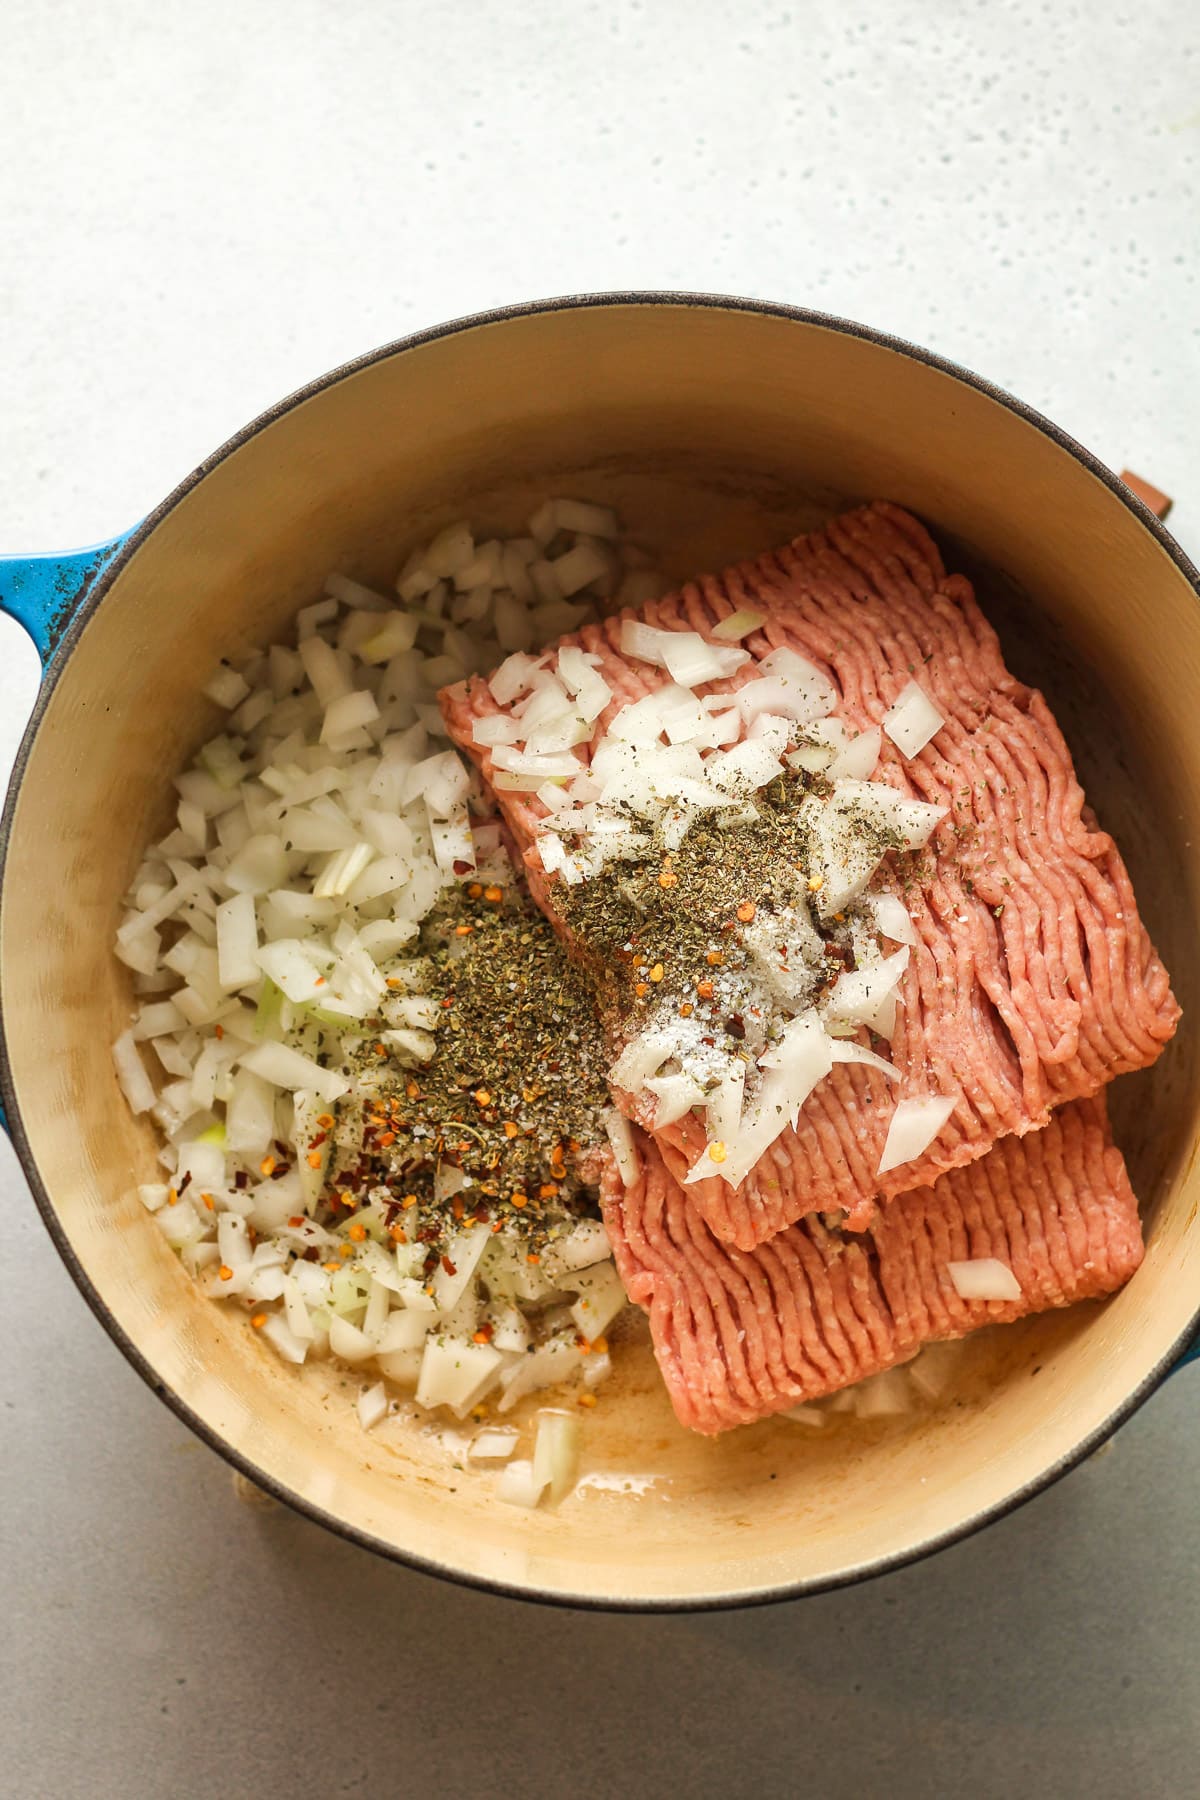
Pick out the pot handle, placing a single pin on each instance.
(43, 593)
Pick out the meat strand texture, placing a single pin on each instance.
(742, 1334)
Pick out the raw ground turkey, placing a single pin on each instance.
(1032, 981)
(739, 1335)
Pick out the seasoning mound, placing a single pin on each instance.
(504, 1123)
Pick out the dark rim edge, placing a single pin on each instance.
(296, 1502)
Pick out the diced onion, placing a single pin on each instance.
(556, 1453)
(845, 1050)
(913, 1127)
(494, 1444)
(738, 625)
(984, 1278)
(817, 691)
(372, 1406)
(135, 1083)
(892, 918)
(287, 1068)
(620, 1137)
(913, 720)
(858, 994)
(676, 1095)
(517, 1485)
(858, 759)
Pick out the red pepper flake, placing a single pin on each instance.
(448, 1002)
(463, 930)
(448, 1265)
(314, 1159)
(358, 1231)
(219, 1031)
(533, 1257)
(476, 890)
(714, 958)
(258, 1321)
(225, 1272)
(484, 1334)
(493, 895)
(704, 989)
(266, 1167)
(296, 1219)
(746, 911)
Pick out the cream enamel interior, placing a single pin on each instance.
(717, 432)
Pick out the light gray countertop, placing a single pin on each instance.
(203, 207)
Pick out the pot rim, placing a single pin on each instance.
(719, 1601)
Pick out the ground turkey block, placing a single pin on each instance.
(1032, 982)
(742, 1334)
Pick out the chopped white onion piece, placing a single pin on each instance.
(818, 693)
(914, 1125)
(347, 714)
(690, 661)
(620, 1137)
(642, 1056)
(792, 1069)
(747, 766)
(135, 1083)
(805, 1414)
(858, 994)
(913, 720)
(675, 1094)
(517, 1485)
(513, 678)
(984, 1278)
(585, 1244)
(496, 728)
(892, 918)
(680, 653)
(287, 1068)
(237, 942)
(454, 1370)
(858, 759)
(845, 1050)
(556, 1453)
(227, 688)
(372, 1406)
(738, 625)
(495, 1443)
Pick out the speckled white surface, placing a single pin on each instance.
(203, 208)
